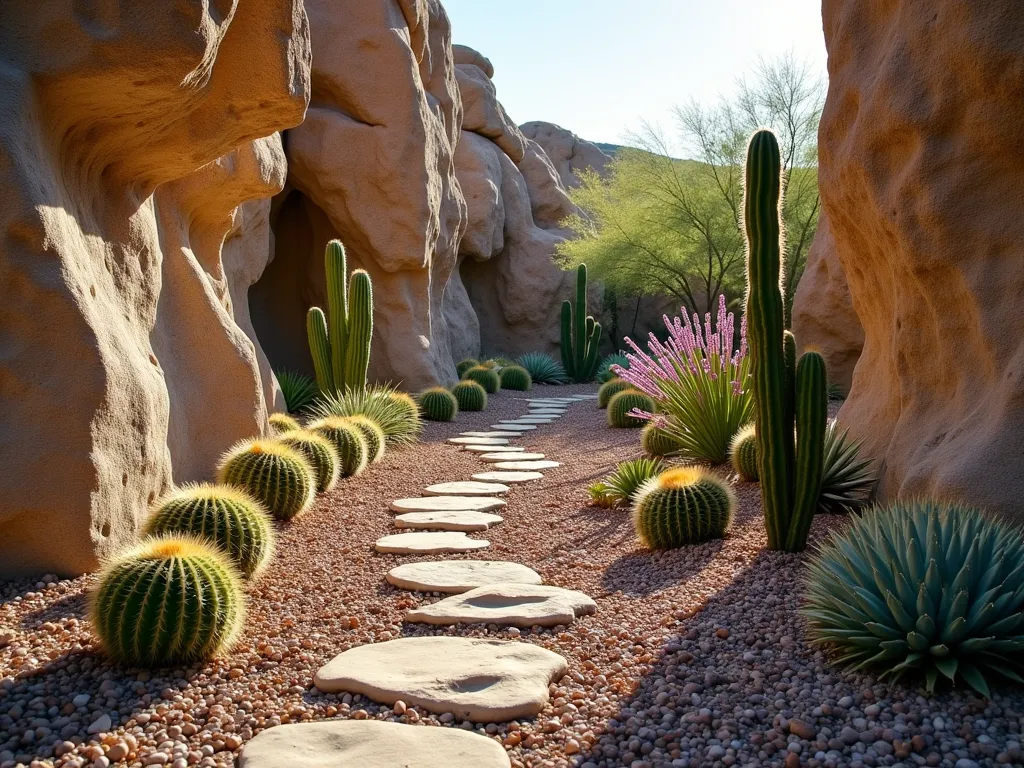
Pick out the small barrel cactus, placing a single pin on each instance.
(624, 402)
(226, 517)
(372, 434)
(610, 388)
(686, 505)
(657, 442)
(464, 365)
(277, 476)
(282, 422)
(470, 396)
(485, 377)
(348, 440)
(167, 601)
(516, 378)
(319, 452)
(743, 454)
(438, 404)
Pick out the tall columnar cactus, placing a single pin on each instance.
(340, 342)
(581, 334)
(790, 398)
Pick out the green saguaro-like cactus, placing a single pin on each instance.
(340, 341)
(790, 398)
(581, 334)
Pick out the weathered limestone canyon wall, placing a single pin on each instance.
(134, 162)
(922, 180)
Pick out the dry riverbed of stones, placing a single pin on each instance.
(465, 582)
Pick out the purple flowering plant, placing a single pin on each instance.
(699, 382)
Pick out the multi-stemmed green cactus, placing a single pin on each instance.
(225, 516)
(516, 378)
(470, 396)
(319, 452)
(275, 475)
(486, 377)
(438, 404)
(167, 601)
(622, 403)
(581, 334)
(348, 441)
(340, 343)
(790, 400)
(686, 505)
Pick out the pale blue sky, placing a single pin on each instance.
(601, 67)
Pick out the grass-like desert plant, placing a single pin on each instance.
(848, 480)
(836, 392)
(298, 389)
(622, 485)
(656, 441)
(743, 454)
(621, 406)
(438, 404)
(486, 377)
(611, 388)
(470, 396)
(348, 442)
(686, 505)
(282, 422)
(604, 369)
(228, 518)
(464, 365)
(319, 452)
(395, 412)
(516, 378)
(928, 589)
(167, 601)
(277, 476)
(544, 369)
(376, 440)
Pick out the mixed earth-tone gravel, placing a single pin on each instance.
(695, 657)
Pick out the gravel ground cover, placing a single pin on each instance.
(694, 658)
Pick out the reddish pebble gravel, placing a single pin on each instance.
(695, 657)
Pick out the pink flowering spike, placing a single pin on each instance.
(636, 413)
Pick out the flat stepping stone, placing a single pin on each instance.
(546, 412)
(424, 543)
(448, 521)
(514, 427)
(509, 456)
(465, 488)
(508, 477)
(447, 504)
(478, 440)
(534, 420)
(460, 575)
(486, 681)
(526, 466)
(493, 448)
(518, 605)
(489, 434)
(370, 744)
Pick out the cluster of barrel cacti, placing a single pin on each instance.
(348, 441)
(487, 378)
(340, 341)
(581, 334)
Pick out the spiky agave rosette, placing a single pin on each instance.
(924, 588)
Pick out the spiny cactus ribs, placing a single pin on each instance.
(683, 506)
(275, 475)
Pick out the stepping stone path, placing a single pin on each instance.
(514, 427)
(448, 521)
(508, 477)
(519, 605)
(489, 434)
(478, 440)
(511, 456)
(448, 504)
(534, 420)
(545, 412)
(460, 575)
(465, 488)
(492, 448)
(486, 681)
(429, 543)
(526, 466)
(370, 744)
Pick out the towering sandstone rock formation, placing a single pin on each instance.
(922, 180)
(133, 159)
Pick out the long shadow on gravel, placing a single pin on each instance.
(632, 573)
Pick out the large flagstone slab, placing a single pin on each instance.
(459, 575)
(429, 543)
(465, 488)
(518, 605)
(526, 466)
(489, 433)
(514, 427)
(448, 521)
(486, 681)
(478, 440)
(493, 448)
(509, 456)
(534, 420)
(508, 477)
(447, 504)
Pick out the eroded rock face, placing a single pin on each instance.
(109, 263)
(569, 154)
(373, 165)
(922, 179)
